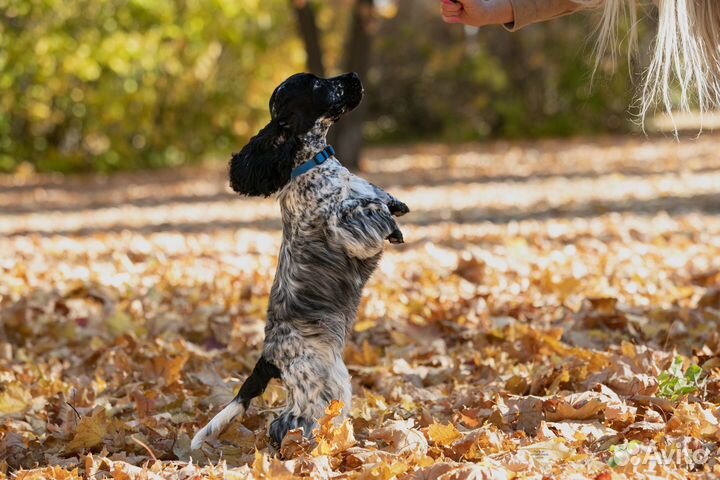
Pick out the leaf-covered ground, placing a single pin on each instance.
(555, 313)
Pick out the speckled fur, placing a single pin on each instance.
(335, 225)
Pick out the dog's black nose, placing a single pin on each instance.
(352, 80)
(349, 77)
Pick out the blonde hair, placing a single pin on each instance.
(685, 54)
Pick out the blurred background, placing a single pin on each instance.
(134, 84)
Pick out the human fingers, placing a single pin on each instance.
(452, 19)
(451, 8)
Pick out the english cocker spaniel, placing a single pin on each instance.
(334, 228)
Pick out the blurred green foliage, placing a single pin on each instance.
(102, 85)
(125, 84)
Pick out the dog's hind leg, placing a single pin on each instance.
(313, 381)
(253, 386)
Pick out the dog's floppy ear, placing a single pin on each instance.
(264, 165)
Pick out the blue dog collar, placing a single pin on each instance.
(318, 159)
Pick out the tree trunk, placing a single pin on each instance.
(307, 25)
(347, 136)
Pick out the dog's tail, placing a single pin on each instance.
(254, 386)
(217, 424)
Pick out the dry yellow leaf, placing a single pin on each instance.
(444, 435)
(385, 471)
(582, 408)
(364, 325)
(167, 367)
(330, 438)
(90, 431)
(400, 437)
(14, 398)
(337, 440)
(48, 473)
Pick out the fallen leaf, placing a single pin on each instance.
(14, 398)
(90, 432)
(443, 435)
(401, 437)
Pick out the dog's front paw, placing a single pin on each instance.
(286, 422)
(398, 208)
(396, 236)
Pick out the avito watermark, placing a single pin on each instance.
(635, 453)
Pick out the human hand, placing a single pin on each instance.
(477, 13)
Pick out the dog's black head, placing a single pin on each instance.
(301, 105)
(303, 99)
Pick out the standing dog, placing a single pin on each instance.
(334, 228)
